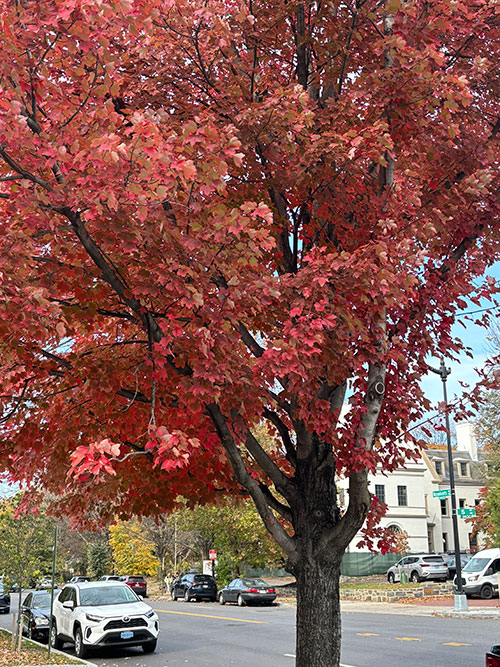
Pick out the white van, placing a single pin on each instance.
(480, 575)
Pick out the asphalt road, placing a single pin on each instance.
(209, 635)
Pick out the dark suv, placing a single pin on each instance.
(195, 587)
(4, 600)
(136, 583)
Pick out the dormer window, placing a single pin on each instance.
(439, 467)
(463, 469)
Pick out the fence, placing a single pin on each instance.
(362, 564)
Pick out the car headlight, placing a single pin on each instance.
(94, 618)
(150, 613)
(41, 620)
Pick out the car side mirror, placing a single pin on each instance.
(68, 604)
(488, 572)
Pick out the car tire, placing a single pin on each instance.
(80, 649)
(414, 578)
(486, 592)
(391, 578)
(149, 647)
(55, 642)
(221, 599)
(241, 601)
(186, 596)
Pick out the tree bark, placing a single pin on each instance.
(318, 613)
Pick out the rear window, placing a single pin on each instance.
(433, 559)
(255, 582)
(204, 578)
(136, 578)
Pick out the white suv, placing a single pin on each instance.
(100, 614)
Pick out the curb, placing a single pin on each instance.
(85, 663)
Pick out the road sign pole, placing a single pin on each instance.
(460, 597)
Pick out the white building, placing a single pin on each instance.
(412, 507)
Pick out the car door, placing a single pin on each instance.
(493, 578)
(237, 584)
(26, 612)
(66, 627)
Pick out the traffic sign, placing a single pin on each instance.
(466, 511)
(212, 554)
(444, 493)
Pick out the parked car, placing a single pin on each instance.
(44, 583)
(247, 590)
(480, 575)
(493, 657)
(419, 568)
(77, 579)
(449, 559)
(100, 614)
(35, 613)
(4, 600)
(136, 583)
(110, 577)
(195, 587)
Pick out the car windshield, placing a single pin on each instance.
(202, 579)
(41, 601)
(255, 582)
(476, 564)
(95, 597)
(433, 559)
(1, 588)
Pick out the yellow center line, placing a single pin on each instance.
(408, 639)
(368, 634)
(455, 644)
(222, 618)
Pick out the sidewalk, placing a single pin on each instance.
(422, 608)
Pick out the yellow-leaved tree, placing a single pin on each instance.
(133, 552)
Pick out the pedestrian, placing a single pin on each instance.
(169, 578)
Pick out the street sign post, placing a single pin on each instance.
(466, 511)
(444, 493)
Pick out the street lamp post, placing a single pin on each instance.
(460, 597)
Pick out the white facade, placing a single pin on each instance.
(412, 507)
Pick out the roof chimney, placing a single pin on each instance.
(466, 440)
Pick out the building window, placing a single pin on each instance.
(461, 503)
(402, 496)
(472, 541)
(394, 528)
(380, 492)
(463, 470)
(477, 502)
(444, 507)
(439, 467)
(445, 542)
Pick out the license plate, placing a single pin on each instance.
(126, 635)
(205, 585)
(262, 591)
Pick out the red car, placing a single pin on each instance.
(137, 584)
(493, 657)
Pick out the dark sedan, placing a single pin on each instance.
(450, 561)
(36, 613)
(4, 600)
(247, 591)
(195, 587)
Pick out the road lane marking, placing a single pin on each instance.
(408, 639)
(221, 618)
(368, 634)
(455, 644)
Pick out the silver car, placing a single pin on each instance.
(419, 568)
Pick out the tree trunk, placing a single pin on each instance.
(318, 613)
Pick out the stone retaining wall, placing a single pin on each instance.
(397, 593)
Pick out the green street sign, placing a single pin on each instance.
(441, 494)
(466, 511)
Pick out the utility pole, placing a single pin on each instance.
(460, 597)
(54, 553)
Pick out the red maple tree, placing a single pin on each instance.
(228, 213)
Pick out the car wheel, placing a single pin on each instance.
(149, 647)
(55, 642)
(486, 592)
(174, 596)
(241, 601)
(390, 577)
(414, 578)
(221, 599)
(186, 596)
(80, 649)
